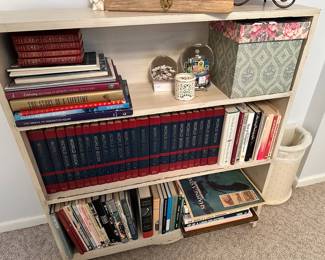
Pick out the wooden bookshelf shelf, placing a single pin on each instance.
(133, 183)
(146, 102)
(13, 21)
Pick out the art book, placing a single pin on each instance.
(218, 194)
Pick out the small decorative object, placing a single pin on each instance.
(162, 73)
(185, 86)
(199, 60)
(278, 3)
(97, 5)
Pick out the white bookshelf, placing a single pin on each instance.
(133, 40)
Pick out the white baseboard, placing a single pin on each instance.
(22, 223)
(311, 180)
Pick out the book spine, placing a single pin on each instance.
(165, 133)
(207, 136)
(75, 117)
(43, 159)
(113, 233)
(105, 151)
(123, 217)
(169, 213)
(43, 92)
(174, 129)
(264, 138)
(60, 132)
(194, 138)
(127, 148)
(90, 155)
(242, 135)
(237, 137)
(247, 132)
(179, 211)
(146, 217)
(143, 146)
(50, 53)
(112, 148)
(130, 220)
(274, 138)
(134, 144)
(154, 137)
(97, 152)
(253, 136)
(64, 100)
(181, 140)
(201, 126)
(47, 61)
(271, 136)
(164, 221)
(49, 46)
(187, 139)
(47, 37)
(218, 118)
(120, 149)
(56, 158)
(74, 155)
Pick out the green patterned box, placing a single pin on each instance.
(255, 59)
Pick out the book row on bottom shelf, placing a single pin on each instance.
(121, 217)
(90, 154)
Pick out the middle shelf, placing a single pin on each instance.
(148, 180)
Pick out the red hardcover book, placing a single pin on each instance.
(71, 231)
(49, 46)
(66, 158)
(42, 92)
(114, 175)
(134, 139)
(74, 155)
(195, 132)
(82, 153)
(46, 54)
(127, 148)
(188, 141)
(237, 137)
(143, 146)
(90, 154)
(154, 143)
(206, 136)
(44, 37)
(174, 141)
(197, 161)
(105, 152)
(181, 140)
(165, 121)
(56, 158)
(120, 149)
(271, 136)
(76, 59)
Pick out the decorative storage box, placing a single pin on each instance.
(256, 58)
(180, 6)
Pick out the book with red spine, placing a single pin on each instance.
(200, 136)
(71, 231)
(181, 140)
(187, 140)
(74, 155)
(49, 53)
(194, 138)
(105, 151)
(112, 147)
(120, 149)
(49, 46)
(127, 148)
(143, 146)
(272, 134)
(174, 141)
(90, 154)
(209, 114)
(134, 140)
(155, 143)
(86, 174)
(45, 61)
(238, 132)
(42, 92)
(165, 133)
(45, 37)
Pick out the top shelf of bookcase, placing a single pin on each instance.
(50, 19)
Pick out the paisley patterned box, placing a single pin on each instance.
(256, 58)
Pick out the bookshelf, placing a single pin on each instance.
(133, 40)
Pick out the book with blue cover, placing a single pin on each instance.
(218, 194)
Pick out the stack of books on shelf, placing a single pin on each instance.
(90, 154)
(249, 132)
(56, 81)
(120, 217)
(216, 199)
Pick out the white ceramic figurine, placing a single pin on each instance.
(97, 5)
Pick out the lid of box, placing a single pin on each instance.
(263, 31)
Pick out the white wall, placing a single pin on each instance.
(16, 192)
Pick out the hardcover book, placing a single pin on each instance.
(218, 194)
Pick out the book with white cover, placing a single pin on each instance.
(243, 109)
(246, 133)
(228, 135)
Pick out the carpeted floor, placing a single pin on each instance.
(294, 230)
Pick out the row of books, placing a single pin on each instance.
(45, 48)
(88, 89)
(90, 154)
(249, 132)
(109, 219)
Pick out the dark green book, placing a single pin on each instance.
(220, 193)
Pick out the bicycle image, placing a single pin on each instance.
(278, 3)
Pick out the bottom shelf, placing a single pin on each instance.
(159, 239)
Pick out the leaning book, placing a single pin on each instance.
(218, 194)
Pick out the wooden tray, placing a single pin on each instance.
(180, 6)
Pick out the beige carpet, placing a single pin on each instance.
(294, 230)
